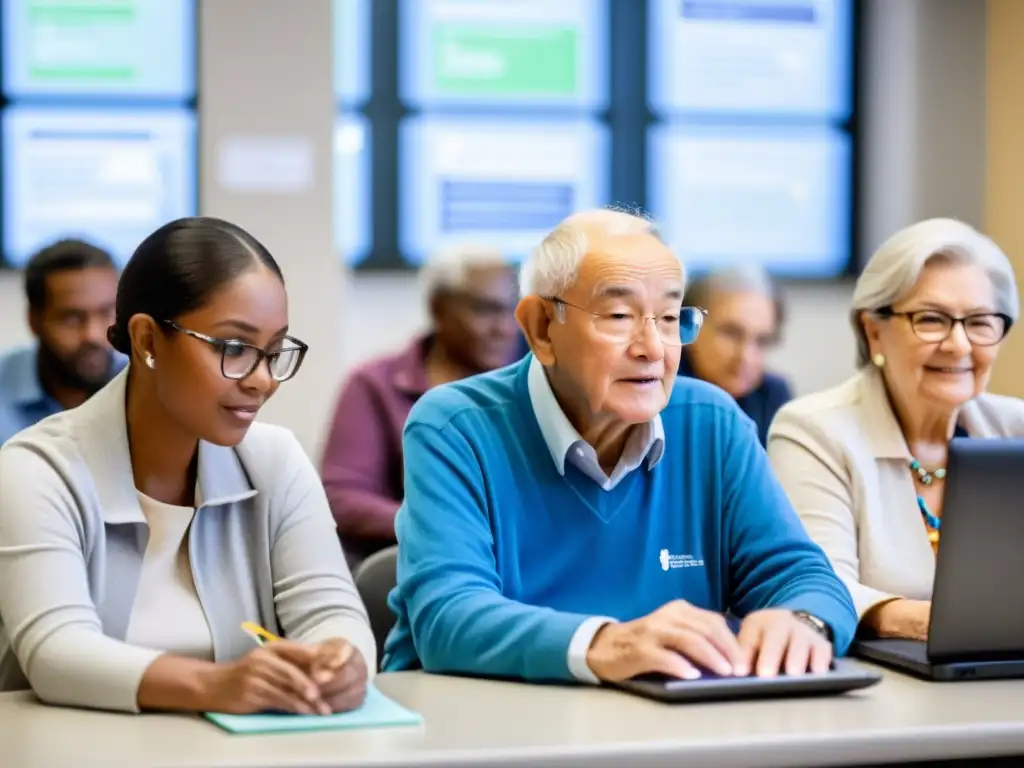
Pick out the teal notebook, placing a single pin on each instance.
(377, 711)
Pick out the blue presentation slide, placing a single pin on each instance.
(111, 176)
(760, 57)
(100, 48)
(777, 196)
(352, 188)
(523, 53)
(351, 52)
(504, 183)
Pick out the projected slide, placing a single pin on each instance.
(496, 182)
(352, 188)
(112, 177)
(140, 48)
(510, 52)
(790, 57)
(778, 197)
(352, 52)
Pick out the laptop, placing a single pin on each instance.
(844, 676)
(977, 625)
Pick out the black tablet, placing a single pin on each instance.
(844, 676)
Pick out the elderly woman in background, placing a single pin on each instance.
(744, 322)
(864, 463)
(471, 296)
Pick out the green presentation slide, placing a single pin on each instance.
(83, 40)
(518, 60)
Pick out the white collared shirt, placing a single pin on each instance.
(645, 442)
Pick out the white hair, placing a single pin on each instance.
(745, 278)
(896, 266)
(554, 265)
(449, 269)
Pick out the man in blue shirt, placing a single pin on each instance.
(584, 515)
(744, 322)
(71, 287)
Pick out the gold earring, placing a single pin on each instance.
(879, 360)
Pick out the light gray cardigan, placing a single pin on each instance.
(263, 548)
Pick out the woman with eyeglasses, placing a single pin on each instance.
(744, 323)
(865, 463)
(139, 532)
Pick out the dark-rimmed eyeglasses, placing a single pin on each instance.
(238, 359)
(934, 326)
(626, 327)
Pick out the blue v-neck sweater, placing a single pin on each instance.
(501, 557)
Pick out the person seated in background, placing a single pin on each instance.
(584, 514)
(864, 463)
(471, 296)
(141, 529)
(744, 321)
(70, 288)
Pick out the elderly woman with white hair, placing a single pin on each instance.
(744, 322)
(864, 463)
(471, 295)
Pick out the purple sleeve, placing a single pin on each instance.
(355, 469)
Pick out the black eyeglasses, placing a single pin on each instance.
(933, 326)
(238, 360)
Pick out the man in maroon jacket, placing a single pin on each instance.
(471, 294)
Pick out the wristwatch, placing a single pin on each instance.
(814, 623)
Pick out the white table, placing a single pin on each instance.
(476, 722)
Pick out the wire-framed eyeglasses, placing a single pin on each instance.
(934, 326)
(238, 359)
(624, 327)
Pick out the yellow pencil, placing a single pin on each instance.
(258, 633)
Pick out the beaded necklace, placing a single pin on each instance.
(934, 523)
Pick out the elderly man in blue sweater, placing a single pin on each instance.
(585, 515)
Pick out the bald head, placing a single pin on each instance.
(554, 266)
(615, 266)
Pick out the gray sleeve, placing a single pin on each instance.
(48, 612)
(314, 594)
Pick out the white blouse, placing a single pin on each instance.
(167, 615)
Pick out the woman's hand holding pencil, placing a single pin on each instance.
(290, 677)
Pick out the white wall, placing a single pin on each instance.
(923, 154)
(266, 83)
(12, 310)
